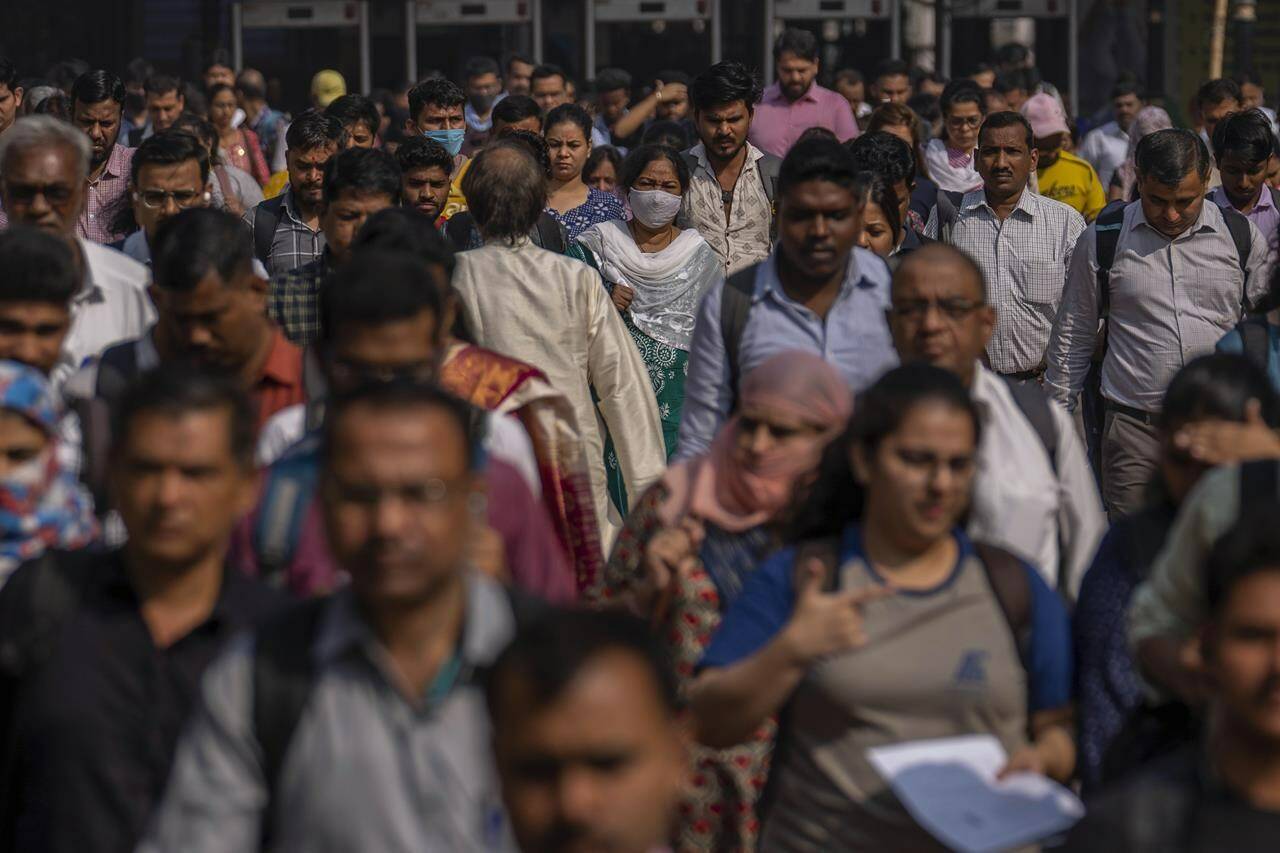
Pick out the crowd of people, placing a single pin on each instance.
(510, 462)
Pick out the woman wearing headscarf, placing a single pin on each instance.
(1125, 181)
(42, 505)
(694, 538)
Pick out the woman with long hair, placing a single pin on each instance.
(237, 146)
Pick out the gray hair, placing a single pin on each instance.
(39, 131)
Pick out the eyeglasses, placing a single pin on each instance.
(427, 494)
(156, 199)
(964, 121)
(953, 309)
(346, 373)
(26, 193)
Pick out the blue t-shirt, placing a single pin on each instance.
(1233, 342)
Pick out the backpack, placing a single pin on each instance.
(948, 207)
(117, 367)
(769, 166)
(265, 221)
(1255, 337)
(735, 306)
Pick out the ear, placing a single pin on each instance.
(1035, 157)
(410, 129)
(861, 463)
(987, 317)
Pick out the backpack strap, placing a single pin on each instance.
(948, 206)
(735, 307)
(289, 490)
(1256, 339)
(266, 218)
(1036, 408)
(1008, 579)
(1106, 230)
(770, 168)
(1259, 481)
(116, 368)
(1238, 225)
(549, 234)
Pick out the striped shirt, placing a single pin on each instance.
(1024, 260)
(103, 198)
(294, 243)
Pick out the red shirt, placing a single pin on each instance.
(280, 385)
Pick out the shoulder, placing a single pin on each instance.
(1060, 211)
(872, 268)
(1075, 161)
(281, 432)
(110, 267)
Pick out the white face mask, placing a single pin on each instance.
(654, 208)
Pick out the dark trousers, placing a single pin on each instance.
(1130, 457)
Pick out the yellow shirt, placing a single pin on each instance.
(457, 201)
(1073, 182)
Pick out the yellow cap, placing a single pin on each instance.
(327, 86)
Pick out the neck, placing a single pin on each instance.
(1253, 200)
(308, 212)
(719, 165)
(251, 371)
(1004, 205)
(911, 564)
(556, 185)
(968, 376)
(1248, 764)
(422, 636)
(804, 288)
(175, 599)
(253, 110)
(96, 171)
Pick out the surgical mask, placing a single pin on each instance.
(481, 103)
(654, 208)
(450, 139)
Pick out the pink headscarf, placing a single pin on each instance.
(736, 496)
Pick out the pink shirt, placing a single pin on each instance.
(778, 122)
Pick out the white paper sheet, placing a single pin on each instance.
(949, 786)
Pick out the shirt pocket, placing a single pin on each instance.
(1041, 279)
(1216, 294)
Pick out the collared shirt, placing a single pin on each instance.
(1171, 301)
(96, 722)
(280, 385)
(294, 243)
(1073, 182)
(1264, 214)
(854, 338)
(367, 768)
(1024, 260)
(1105, 148)
(743, 238)
(778, 121)
(293, 300)
(102, 198)
(111, 306)
(1047, 512)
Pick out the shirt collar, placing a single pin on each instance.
(117, 584)
(773, 95)
(90, 290)
(1027, 202)
(1264, 202)
(284, 362)
(699, 153)
(117, 166)
(1210, 218)
(769, 282)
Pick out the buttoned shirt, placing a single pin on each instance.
(293, 300)
(1105, 148)
(1264, 214)
(1171, 301)
(112, 305)
(366, 768)
(1024, 260)
(295, 243)
(103, 197)
(854, 338)
(741, 239)
(778, 122)
(1046, 511)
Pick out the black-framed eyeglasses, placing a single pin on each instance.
(156, 199)
(953, 309)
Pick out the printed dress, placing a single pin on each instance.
(599, 207)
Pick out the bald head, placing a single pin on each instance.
(941, 259)
(506, 191)
(251, 84)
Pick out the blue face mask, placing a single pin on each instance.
(450, 139)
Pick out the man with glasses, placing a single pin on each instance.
(1034, 494)
(170, 174)
(1020, 240)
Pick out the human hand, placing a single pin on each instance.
(1025, 760)
(825, 623)
(1218, 442)
(670, 557)
(622, 296)
(671, 91)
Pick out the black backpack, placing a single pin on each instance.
(948, 209)
(265, 220)
(769, 166)
(1255, 336)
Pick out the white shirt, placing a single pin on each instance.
(1019, 502)
(1105, 149)
(111, 306)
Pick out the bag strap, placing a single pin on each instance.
(1036, 408)
(770, 168)
(286, 498)
(948, 205)
(735, 307)
(228, 191)
(1238, 226)
(1008, 579)
(1106, 230)
(266, 218)
(1259, 481)
(1256, 339)
(550, 234)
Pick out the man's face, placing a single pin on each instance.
(216, 74)
(533, 124)
(343, 216)
(853, 91)
(408, 348)
(427, 189)
(32, 333)
(518, 77)
(1242, 655)
(961, 125)
(819, 223)
(178, 486)
(306, 171)
(599, 768)
(893, 89)
(1005, 161)
(396, 494)
(1243, 182)
(216, 323)
(10, 102)
(360, 135)
(101, 123)
(1251, 96)
(1124, 108)
(938, 315)
(164, 109)
(613, 105)
(162, 190)
(483, 89)
(795, 74)
(723, 128)
(1172, 210)
(984, 79)
(437, 117)
(1211, 114)
(1049, 148)
(41, 187)
(549, 92)
(675, 103)
(1016, 98)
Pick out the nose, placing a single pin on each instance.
(169, 489)
(198, 336)
(577, 797)
(761, 439)
(820, 227)
(27, 349)
(864, 241)
(389, 518)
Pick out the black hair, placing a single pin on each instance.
(159, 84)
(422, 153)
(314, 129)
(671, 133)
(818, 132)
(169, 147)
(8, 74)
(1128, 86)
(193, 99)
(377, 286)
(893, 68)
(884, 154)
(516, 57)
(38, 267)
(478, 66)
(673, 75)
(550, 651)
(441, 92)
(1216, 91)
(179, 387)
(249, 87)
(929, 106)
(399, 394)
(817, 160)
(218, 56)
(599, 155)
(1018, 78)
(962, 91)
(195, 242)
(1012, 54)
(611, 80)
(1168, 155)
(641, 157)
(404, 229)
(1247, 134)
(848, 75)
(802, 43)
(1218, 386)
(536, 143)
(725, 83)
(546, 70)
(217, 89)
(203, 132)
(1250, 546)
(834, 499)
(879, 190)
(568, 114)
(1247, 77)
(94, 87)
(514, 108)
(1008, 118)
(366, 171)
(506, 200)
(350, 109)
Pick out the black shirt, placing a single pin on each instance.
(94, 717)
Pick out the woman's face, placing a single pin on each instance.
(604, 178)
(20, 442)
(222, 109)
(876, 233)
(569, 150)
(660, 174)
(762, 432)
(961, 123)
(918, 479)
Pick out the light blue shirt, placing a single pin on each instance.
(854, 338)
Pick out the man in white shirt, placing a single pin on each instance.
(1034, 494)
(44, 163)
(1105, 147)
